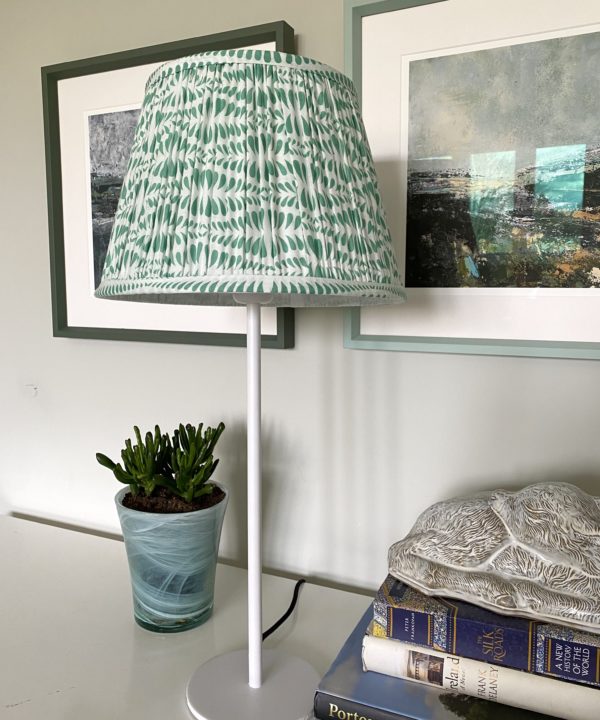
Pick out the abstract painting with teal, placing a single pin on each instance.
(503, 168)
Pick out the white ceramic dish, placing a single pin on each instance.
(533, 553)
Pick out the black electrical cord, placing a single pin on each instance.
(287, 613)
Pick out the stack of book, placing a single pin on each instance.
(418, 657)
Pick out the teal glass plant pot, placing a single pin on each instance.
(172, 563)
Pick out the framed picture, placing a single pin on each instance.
(483, 122)
(90, 112)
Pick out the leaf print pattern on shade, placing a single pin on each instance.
(250, 172)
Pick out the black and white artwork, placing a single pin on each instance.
(110, 140)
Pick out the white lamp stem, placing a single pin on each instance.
(254, 498)
(218, 690)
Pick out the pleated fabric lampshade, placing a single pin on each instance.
(250, 173)
(251, 182)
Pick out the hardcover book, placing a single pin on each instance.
(480, 679)
(463, 629)
(346, 692)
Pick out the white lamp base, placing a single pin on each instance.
(219, 689)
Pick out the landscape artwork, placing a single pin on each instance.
(110, 140)
(503, 166)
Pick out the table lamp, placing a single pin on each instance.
(251, 182)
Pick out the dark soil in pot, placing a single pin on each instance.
(163, 501)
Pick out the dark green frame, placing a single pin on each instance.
(283, 36)
(354, 338)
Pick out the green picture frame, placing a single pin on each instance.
(388, 337)
(281, 36)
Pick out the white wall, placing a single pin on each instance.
(356, 443)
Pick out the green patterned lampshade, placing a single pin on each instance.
(250, 173)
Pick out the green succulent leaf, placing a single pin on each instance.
(105, 461)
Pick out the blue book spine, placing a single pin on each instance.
(331, 707)
(459, 628)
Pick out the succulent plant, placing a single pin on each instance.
(191, 459)
(182, 464)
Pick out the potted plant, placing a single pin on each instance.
(171, 517)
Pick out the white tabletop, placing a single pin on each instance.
(70, 649)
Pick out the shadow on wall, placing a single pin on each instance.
(278, 458)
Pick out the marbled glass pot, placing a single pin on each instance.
(172, 562)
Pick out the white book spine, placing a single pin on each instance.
(561, 699)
